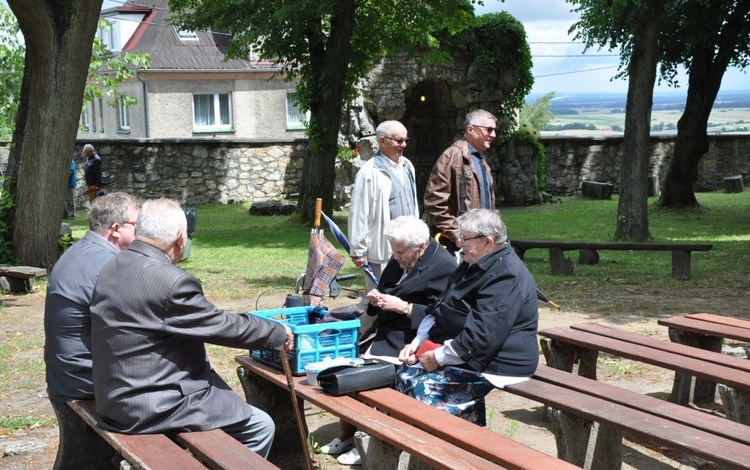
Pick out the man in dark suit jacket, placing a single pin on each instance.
(150, 323)
(67, 318)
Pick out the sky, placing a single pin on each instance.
(548, 21)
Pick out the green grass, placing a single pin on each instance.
(238, 256)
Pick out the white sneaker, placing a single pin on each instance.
(337, 446)
(350, 458)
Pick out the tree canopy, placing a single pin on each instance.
(330, 45)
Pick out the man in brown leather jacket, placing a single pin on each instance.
(461, 180)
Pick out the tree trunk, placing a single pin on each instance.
(319, 169)
(710, 58)
(58, 36)
(632, 208)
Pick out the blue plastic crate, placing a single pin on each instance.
(312, 343)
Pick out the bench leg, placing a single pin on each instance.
(736, 404)
(705, 390)
(681, 265)
(277, 403)
(563, 356)
(607, 448)
(571, 433)
(588, 257)
(558, 263)
(376, 454)
(80, 445)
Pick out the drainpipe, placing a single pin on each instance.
(145, 103)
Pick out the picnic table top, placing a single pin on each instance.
(711, 325)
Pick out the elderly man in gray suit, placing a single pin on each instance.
(67, 319)
(150, 323)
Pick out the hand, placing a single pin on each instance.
(428, 361)
(407, 355)
(359, 261)
(373, 297)
(289, 343)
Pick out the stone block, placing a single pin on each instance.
(274, 207)
(733, 184)
(597, 190)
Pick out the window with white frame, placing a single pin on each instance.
(187, 35)
(85, 118)
(295, 116)
(212, 112)
(123, 115)
(101, 115)
(93, 116)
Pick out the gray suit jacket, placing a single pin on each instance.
(67, 320)
(150, 321)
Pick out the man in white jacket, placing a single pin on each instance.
(383, 190)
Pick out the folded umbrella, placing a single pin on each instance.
(336, 231)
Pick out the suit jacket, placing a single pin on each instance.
(67, 319)
(420, 287)
(150, 321)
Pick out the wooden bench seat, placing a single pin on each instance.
(618, 410)
(709, 325)
(681, 253)
(19, 278)
(583, 342)
(433, 437)
(190, 450)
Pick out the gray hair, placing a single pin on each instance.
(473, 118)
(109, 209)
(484, 222)
(385, 128)
(161, 221)
(408, 230)
(88, 148)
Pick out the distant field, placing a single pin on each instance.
(606, 113)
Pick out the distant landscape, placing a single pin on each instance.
(586, 113)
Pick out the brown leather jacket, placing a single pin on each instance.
(442, 197)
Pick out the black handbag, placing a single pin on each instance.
(340, 380)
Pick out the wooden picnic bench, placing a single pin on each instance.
(583, 342)
(401, 428)
(577, 402)
(213, 449)
(19, 278)
(707, 331)
(588, 253)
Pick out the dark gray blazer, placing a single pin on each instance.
(67, 320)
(150, 321)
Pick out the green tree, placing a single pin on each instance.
(58, 36)
(330, 45)
(12, 51)
(537, 115)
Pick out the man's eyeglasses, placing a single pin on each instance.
(131, 222)
(398, 141)
(489, 130)
(463, 240)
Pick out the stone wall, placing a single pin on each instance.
(199, 172)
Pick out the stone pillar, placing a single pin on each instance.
(518, 174)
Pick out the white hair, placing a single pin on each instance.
(162, 221)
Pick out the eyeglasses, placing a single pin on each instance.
(398, 141)
(464, 240)
(489, 130)
(131, 222)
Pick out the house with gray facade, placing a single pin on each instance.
(189, 91)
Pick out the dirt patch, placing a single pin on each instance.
(23, 393)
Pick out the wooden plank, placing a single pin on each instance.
(720, 319)
(143, 451)
(699, 368)
(477, 439)
(428, 448)
(687, 351)
(578, 245)
(220, 451)
(656, 429)
(24, 272)
(706, 328)
(662, 408)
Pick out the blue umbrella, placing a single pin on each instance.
(345, 243)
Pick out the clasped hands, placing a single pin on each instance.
(427, 360)
(385, 301)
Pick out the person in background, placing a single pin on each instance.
(413, 278)
(384, 189)
(461, 179)
(92, 171)
(67, 316)
(70, 200)
(482, 330)
(150, 323)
